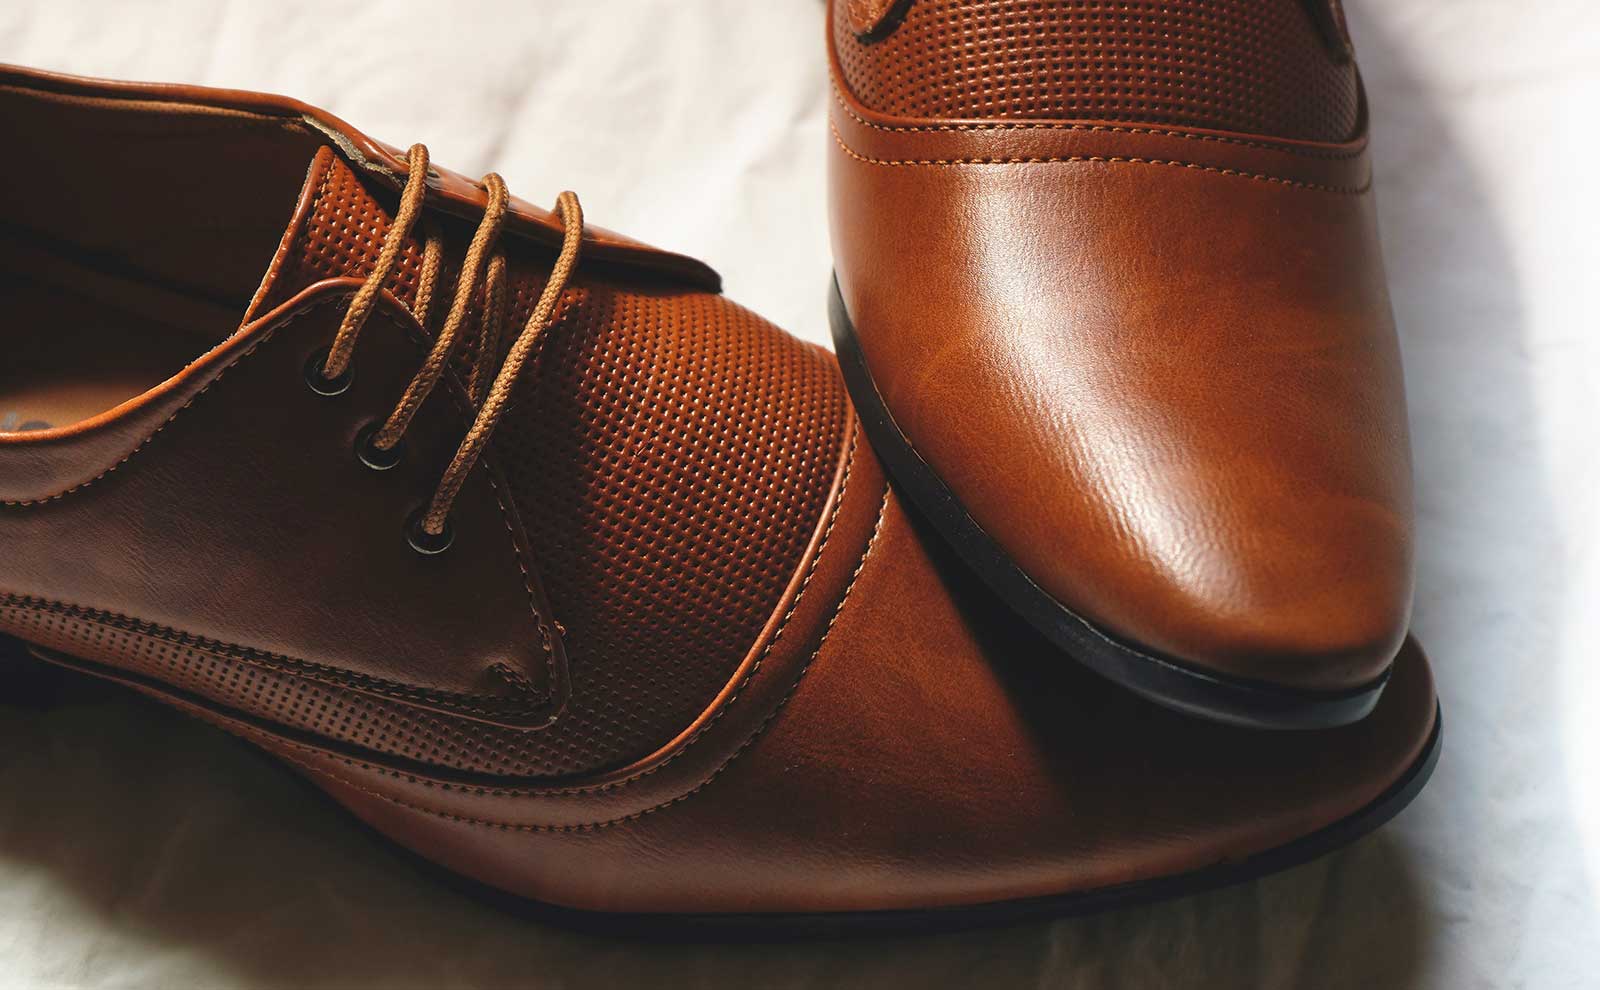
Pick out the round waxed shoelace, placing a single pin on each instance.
(491, 398)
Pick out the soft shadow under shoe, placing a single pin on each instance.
(1111, 303)
(549, 562)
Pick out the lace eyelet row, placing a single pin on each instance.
(376, 458)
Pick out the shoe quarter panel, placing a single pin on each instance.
(239, 520)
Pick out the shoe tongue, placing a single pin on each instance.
(337, 231)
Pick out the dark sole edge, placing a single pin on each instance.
(994, 914)
(1167, 682)
(782, 927)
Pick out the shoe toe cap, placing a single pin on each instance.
(1176, 405)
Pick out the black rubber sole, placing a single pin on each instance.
(1166, 681)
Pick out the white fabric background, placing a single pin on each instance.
(139, 850)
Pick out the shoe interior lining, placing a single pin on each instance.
(133, 235)
(80, 341)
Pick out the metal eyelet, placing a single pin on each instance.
(320, 383)
(424, 542)
(372, 455)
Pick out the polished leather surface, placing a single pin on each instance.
(896, 744)
(211, 524)
(636, 522)
(1155, 363)
(385, 163)
(882, 736)
(924, 755)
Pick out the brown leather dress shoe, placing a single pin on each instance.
(547, 561)
(1110, 301)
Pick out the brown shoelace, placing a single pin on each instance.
(490, 398)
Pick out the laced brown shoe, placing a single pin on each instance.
(1111, 303)
(547, 561)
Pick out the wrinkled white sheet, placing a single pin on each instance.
(139, 850)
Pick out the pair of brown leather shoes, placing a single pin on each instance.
(558, 568)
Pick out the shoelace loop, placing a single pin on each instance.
(478, 267)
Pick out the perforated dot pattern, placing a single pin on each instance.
(670, 455)
(1253, 66)
(340, 238)
(669, 485)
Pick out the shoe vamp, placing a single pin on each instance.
(669, 453)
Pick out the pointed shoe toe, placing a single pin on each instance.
(1140, 371)
(552, 564)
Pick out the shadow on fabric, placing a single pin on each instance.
(182, 845)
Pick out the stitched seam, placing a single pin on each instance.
(1045, 125)
(156, 115)
(515, 792)
(466, 703)
(1102, 159)
(245, 655)
(744, 682)
(264, 660)
(507, 511)
(540, 621)
(596, 826)
(513, 676)
(43, 499)
(516, 677)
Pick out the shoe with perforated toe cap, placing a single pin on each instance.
(1110, 301)
(550, 563)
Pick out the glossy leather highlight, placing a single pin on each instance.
(689, 653)
(1155, 364)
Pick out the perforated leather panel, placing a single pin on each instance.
(341, 237)
(1255, 66)
(670, 454)
(695, 448)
